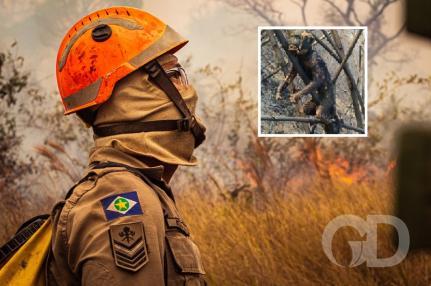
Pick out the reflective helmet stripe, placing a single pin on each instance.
(125, 23)
(83, 96)
(170, 41)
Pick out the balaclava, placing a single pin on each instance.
(135, 98)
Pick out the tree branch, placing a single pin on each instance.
(278, 54)
(271, 74)
(386, 41)
(354, 91)
(329, 39)
(328, 49)
(308, 120)
(302, 5)
(335, 7)
(293, 59)
(379, 12)
(349, 52)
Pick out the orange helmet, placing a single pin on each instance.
(104, 47)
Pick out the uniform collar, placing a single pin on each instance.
(109, 154)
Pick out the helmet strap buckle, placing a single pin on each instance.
(152, 68)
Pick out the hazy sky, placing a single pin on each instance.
(210, 29)
(219, 35)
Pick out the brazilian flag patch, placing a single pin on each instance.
(120, 205)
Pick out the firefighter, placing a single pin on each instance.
(119, 225)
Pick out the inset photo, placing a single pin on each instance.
(312, 82)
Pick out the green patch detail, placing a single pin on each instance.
(121, 204)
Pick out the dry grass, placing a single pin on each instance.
(279, 242)
(276, 239)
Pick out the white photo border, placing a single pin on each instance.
(259, 62)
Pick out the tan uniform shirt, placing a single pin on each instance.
(118, 229)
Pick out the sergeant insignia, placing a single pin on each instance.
(119, 205)
(129, 246)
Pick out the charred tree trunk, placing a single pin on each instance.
(278, 55)
(358, 104)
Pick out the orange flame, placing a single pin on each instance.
(341, 171)
(338, 169)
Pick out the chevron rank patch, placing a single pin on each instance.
(119, 205)
(128, 245)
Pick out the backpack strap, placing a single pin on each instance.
(28, 228)
(25, 231)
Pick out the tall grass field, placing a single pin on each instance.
(277, 241)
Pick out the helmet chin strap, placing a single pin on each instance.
(158, 76)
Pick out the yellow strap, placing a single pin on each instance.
(26, 267)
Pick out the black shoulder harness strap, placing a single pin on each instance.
(188, 123)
